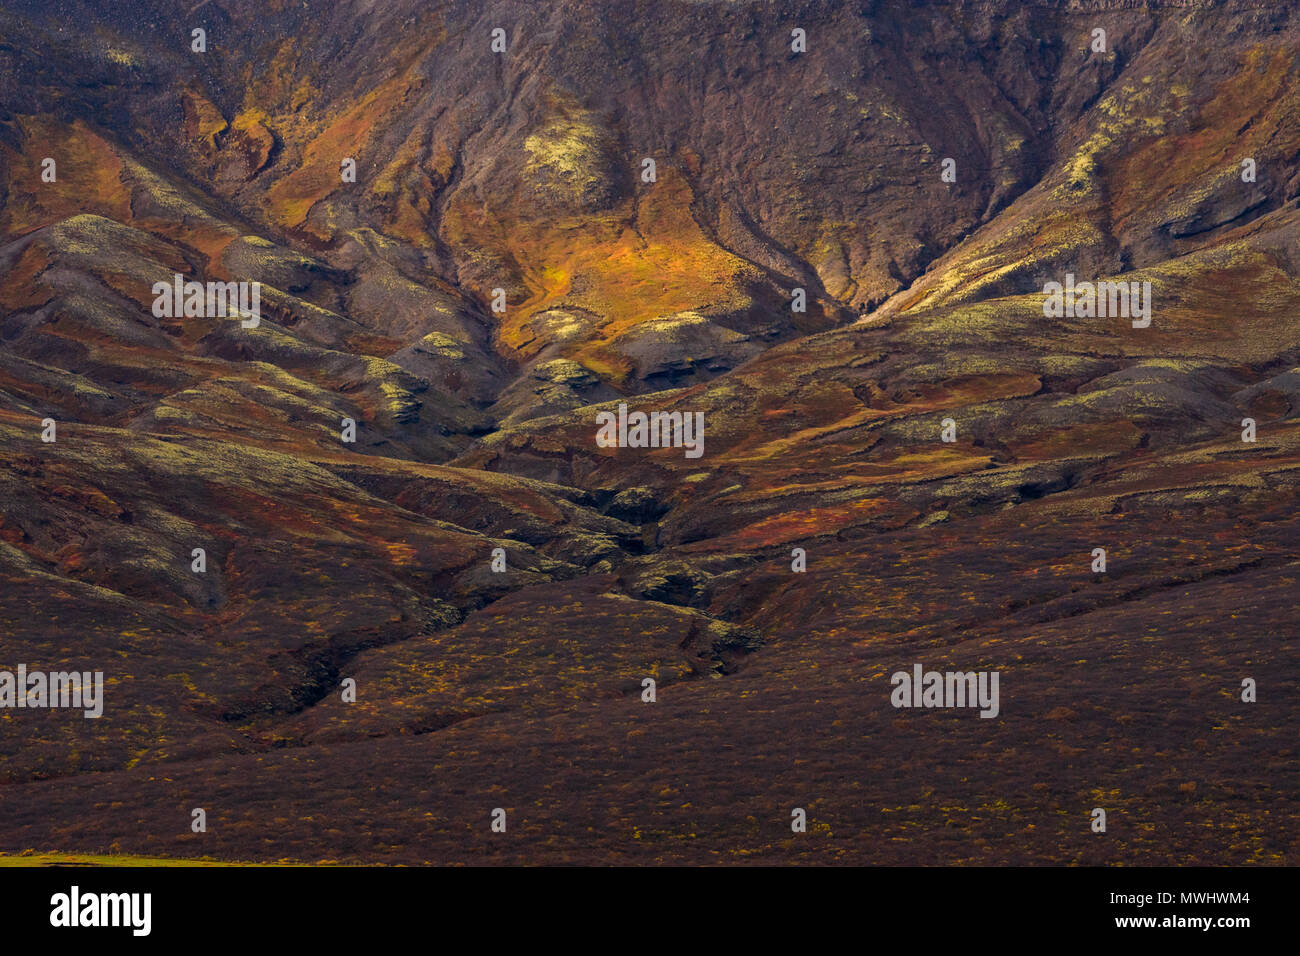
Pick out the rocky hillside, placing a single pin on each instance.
(829, 228)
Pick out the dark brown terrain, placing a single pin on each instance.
(521, 171)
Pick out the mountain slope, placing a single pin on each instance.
(520, 177)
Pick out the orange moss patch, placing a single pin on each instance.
(1098, 438)
(1255, 111)
(203, 121)
(809, 523)
(407, 190)
(89, 177)
(646, 260)
(365, 343)
(18, 287)
(292, 198)
(210, 241)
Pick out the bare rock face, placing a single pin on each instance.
(456, 458)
